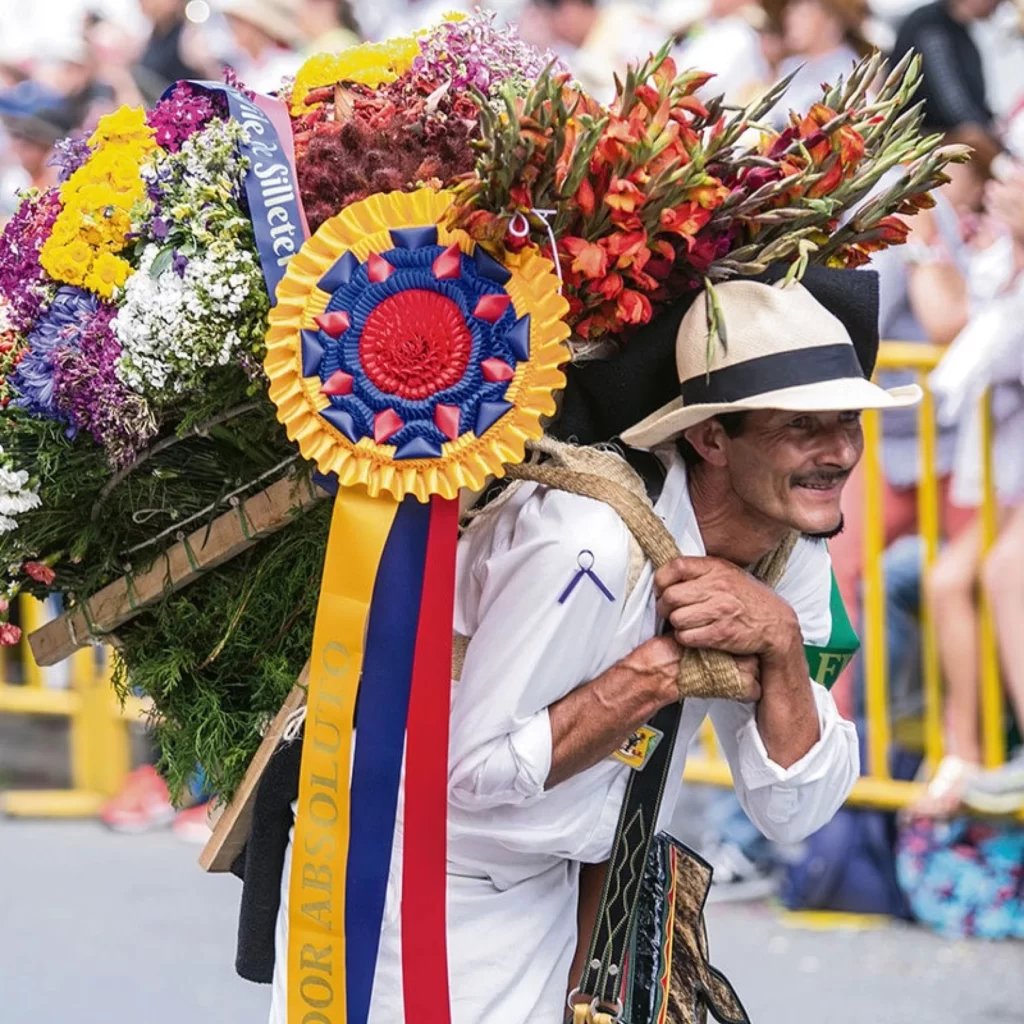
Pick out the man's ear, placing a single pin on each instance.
(709, 440)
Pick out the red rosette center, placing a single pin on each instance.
(415, 344)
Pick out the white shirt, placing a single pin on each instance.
(514, 848)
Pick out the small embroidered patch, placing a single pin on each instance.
(637, 750)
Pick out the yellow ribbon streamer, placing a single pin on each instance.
(316, 917)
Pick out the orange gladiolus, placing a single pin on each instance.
(710, 196)
(589, 259)
(624, 195)
(633, 307)
(609, 286)
(585, 198)
(627, 249)
(685, 220)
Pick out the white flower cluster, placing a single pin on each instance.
(16, 495)
(184, 320)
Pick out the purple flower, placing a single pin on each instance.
(59, 327)
(23, 282)
(476, 52)
(160, 228)
(69, 155)
(179, 263)
(88, 390)
(184, 112)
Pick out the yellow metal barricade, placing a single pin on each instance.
(877, 788)
(97, 724)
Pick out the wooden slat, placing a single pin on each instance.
(264, 513)
(232, 829)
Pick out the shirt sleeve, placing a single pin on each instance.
(536, 639)
(788, 804)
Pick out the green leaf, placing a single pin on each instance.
(162, 262)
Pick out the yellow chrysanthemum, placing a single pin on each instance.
(369, 64)
(108, 272)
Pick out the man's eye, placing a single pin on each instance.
(850, 417)
(800, 423)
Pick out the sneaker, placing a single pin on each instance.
(736, 877)
(192, 825)
(143, 804)
(1000, 790)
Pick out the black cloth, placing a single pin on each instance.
(602, 398)
(953, 85)
(261, 863)
(160, 64)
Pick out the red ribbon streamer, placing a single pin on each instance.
(424, 856)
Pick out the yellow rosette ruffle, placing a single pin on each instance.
(466, 460)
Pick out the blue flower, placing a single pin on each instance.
(59, 327)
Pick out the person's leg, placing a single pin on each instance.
(1001, 578)
(951, 586)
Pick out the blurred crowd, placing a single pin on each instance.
(958, 284)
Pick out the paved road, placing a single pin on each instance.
(100, 929)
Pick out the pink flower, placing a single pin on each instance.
(4, 605)
(9, 635)
(40, 573)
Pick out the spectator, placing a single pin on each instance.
(954, 83)
(267, 38)
(726, 42)
(987, 353)
(923, 297)
(824, 38)
(162, 62)
(34, 118)
(594, 39)
(329, 25)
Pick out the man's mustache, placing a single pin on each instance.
(822, 478)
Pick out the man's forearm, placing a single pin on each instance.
(787, 715)
(597, 718)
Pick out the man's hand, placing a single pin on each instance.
(714, 604)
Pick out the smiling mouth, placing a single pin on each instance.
(822, 484)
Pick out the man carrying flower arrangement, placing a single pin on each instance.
(383, 269)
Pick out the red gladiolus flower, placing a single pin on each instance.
(589, 259)
(633, 307)
(10, 635)
(893, 231)
(39, 572)
(692, 105)
(685, 220)
(585, 198)
(649, 97)
(609, 287)
(831, 180)
(628, 248)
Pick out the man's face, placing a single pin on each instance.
(791, 467)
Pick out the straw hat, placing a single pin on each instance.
(277, 18)
(784, 351)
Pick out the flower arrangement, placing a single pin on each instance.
(660, 193)
(133, 308)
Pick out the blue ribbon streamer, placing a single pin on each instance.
(381, 717)
(270, 186)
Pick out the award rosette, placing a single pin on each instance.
(408, 364)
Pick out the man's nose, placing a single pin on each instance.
(841, 446)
